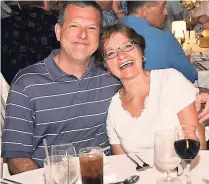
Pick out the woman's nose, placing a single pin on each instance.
(121, 54)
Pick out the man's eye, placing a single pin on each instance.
(92, 28)
(73, 26)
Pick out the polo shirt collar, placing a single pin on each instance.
(56, 72)
(134, 20)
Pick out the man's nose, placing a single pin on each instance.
(82, 33)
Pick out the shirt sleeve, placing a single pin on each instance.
(178, 60)
(18, 129)
(179, 91)
(111, 132)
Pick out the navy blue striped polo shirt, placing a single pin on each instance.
(46, 103)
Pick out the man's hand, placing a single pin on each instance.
(19, 165)
(206, 25)
(202, 98)
(203, 19)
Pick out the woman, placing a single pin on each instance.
(148, 100)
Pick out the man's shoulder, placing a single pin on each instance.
(25, 75)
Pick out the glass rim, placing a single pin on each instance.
(82, 150)
(62, 144)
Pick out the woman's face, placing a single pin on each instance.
(128, 62)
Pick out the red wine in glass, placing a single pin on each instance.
(187, 149)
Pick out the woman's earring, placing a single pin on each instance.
(143, 58)
(108, 73)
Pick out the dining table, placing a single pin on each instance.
(119, 167)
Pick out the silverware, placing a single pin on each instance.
(7, 181)
(130, 180)
(199, 64)
(180, 169)
(205, 180)
(4, 182)
(138, 167)
(145, 165)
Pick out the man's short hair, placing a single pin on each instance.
(133, 6)
(82, 4)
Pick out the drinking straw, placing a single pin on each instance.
(46, 150)
(48, 159)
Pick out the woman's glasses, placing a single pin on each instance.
(112, 53)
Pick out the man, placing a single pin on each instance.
(163, 50)
(63, 98)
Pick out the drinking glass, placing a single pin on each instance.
(165, 156)
(59, 170)
(68, 153)
(186, 145)
(64, 149)
(91, 164)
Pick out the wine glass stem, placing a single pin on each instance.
(168, 177)
(188, 173)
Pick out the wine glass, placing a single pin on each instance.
(68, 153)
(165, 156)
(186, 145)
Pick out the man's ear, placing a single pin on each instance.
(145, 10)
(57, 31)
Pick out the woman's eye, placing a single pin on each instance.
(127, 46)
(110, 53)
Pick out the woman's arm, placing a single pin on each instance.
(117, 149)
(188, 115)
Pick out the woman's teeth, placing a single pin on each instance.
(126, 64)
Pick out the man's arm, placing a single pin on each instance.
(19, 165)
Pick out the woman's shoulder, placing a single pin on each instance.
(166, 74)
(115, 101)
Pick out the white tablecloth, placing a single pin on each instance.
(203, 76)
(123, 168)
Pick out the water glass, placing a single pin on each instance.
(165, 156)
(64, 149)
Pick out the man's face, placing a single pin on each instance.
(79, 35)
(157, 13)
